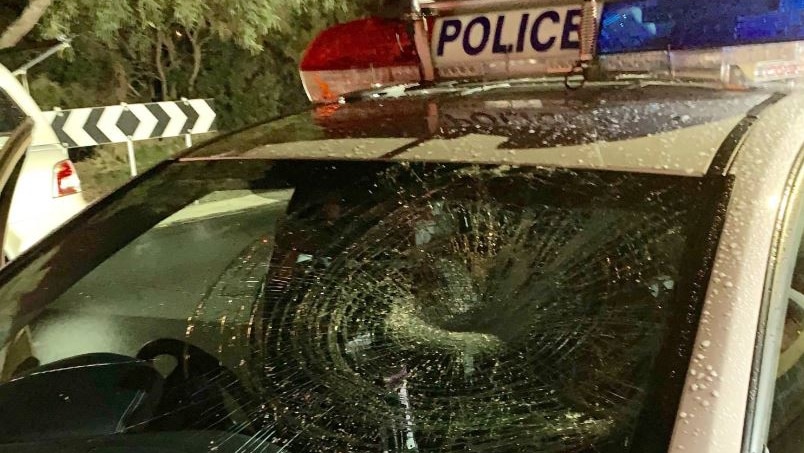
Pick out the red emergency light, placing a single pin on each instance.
(359, 55)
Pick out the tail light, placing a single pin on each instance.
(65, 179)
(362, 54)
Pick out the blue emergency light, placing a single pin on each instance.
(647, 25)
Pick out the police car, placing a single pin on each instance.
(504, 226)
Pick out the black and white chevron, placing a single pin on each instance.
(121, 123)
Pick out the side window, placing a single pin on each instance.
(786, 433)
(10, 116)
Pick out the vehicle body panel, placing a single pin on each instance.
(35, 212)
(729, 323)
(654, 129)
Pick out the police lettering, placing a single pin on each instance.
(485, 25)
(538, 45)
(492, 119)
(515, 32)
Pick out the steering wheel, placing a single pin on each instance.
(199, 392)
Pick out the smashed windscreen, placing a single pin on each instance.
(399, 307)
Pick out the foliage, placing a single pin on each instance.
(83, 78)
(242, 53)
(108, 168)
(166, 40)
(249, 88)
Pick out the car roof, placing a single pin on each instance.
(645, 127)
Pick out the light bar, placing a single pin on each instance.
(738, 42)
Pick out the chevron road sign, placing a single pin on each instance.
(131, 122)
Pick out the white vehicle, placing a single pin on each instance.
(608, 262)
(48, 191)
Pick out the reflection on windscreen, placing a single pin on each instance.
(200, 264)
(432, 309)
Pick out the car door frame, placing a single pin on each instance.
(787, 239)
(12, 157)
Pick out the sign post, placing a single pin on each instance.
(132, 158)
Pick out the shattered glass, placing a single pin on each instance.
(465, 315)
(396, 308)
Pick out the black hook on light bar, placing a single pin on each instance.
(578, 69)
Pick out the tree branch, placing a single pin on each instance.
(24, 24)
(167, 40)
(121, 80)
(197, 45)
(160, 68)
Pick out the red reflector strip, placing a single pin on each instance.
(65, 179)
(778, 70)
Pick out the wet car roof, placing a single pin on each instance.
(656, 128)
